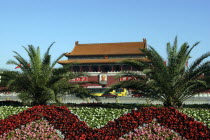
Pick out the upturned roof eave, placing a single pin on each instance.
(69, 54)
(95, 61)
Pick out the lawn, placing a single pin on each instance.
(81, 123)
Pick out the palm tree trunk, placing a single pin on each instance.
(175, 104)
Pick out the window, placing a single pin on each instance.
(76, 68)
(95, 68)
(105, 68)
(126, 68)
(117, 68)
(85, 68)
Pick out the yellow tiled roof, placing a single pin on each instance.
(108, 48)
(97, 60)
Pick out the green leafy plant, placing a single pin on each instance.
(38, 82)
(170, 83)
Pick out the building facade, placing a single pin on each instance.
(102, 61)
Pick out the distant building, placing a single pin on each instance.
(101, 61)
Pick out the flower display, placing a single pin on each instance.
(202, 115)
(40, 129)
(97, 117)
(6, 111)
(62, 119)
(152, 131)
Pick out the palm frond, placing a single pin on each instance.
(198, 61)
(172, 83)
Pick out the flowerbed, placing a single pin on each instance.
(72, 128)
(202, 115)
(152, 131)
(6, 111)
(39, 129)
(97, 117)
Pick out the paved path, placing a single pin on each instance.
(194, 100)
(128, 100)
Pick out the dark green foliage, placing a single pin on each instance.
(131, 106)
(111, 105)
(38, 82)
(10, 103)
(171, 83)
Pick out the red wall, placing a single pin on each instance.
(110, 81)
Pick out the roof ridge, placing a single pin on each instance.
(108, 43)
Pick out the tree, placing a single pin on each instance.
(38, 81)
(171, 83)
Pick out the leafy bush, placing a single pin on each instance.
(11, 103)
(111, 105)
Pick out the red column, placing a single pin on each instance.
(112, 68)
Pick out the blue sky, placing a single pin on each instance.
(41, 22)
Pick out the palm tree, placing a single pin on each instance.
(38, 81)
(171, 83)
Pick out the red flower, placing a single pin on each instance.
(73, 128)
